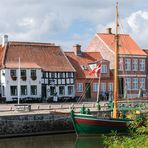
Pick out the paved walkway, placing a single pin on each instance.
(42, 108)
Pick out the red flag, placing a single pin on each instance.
(96, 70)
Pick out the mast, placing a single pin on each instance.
(116, 64)
(19, 82)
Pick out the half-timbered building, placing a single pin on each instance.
(43, 72)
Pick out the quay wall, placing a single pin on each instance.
(35, 124)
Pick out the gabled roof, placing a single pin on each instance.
(46, 56)
(79, 62)
(127, 46)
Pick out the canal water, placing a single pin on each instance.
(52, 141)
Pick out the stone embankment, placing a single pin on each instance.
(41, 119)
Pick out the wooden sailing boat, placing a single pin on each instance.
(89, 124)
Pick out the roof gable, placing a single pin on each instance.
(80, 63)
(127, 46)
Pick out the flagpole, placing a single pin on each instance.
(19, 82)
(98, 92)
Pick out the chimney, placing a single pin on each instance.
(77, 50)
(5, 40)
(109, 30)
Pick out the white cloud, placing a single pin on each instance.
(46, 20)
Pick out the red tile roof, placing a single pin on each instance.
(78, 61)
(37, 55)
(127, 46)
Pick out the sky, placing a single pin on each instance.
(70, 22)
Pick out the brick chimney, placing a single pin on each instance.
(109, 30)
(77, 50)
(5, 40)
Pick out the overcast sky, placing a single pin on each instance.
(68, 22)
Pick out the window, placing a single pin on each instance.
(13, 73)
(128, 83)
(134, 83)
(79, 87)
(142, 65)
(52, 75)
(33, 90)
(33, 73)
(135, 64)
(95, 87)
(104, 69)
(23, 73)
(44, 74)
(61, 75)
(23, 90)
(142, 83)
(69, 74)
(61, 90)
(52, 90)
(13, 90)
(103, 87)
(110, 86)
(127, 64)
(70, 90)
(120, 65)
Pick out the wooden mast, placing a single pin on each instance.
(116, 65)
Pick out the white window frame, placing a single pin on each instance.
(95, 87)
(63, 93)
(24, 90)
(142, 83)
(103, 87)
(128, 83)
(79, 87)
(70, 90)
(120, 64)
(35, 90)
(135, 83)
(141, 64)
(134, 64)
(104, 68)
(127, 64)
(110, 86)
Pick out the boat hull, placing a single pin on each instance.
(87, 124)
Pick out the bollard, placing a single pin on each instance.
(38, 107)
(49, 106)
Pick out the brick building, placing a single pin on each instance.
(132, 61)
(86, 85)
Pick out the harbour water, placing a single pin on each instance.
(52, 141)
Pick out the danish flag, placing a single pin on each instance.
(96, 70)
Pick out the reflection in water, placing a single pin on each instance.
(89, 142)
(51, 141)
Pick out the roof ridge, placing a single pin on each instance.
(31, 43)
(114, 34)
